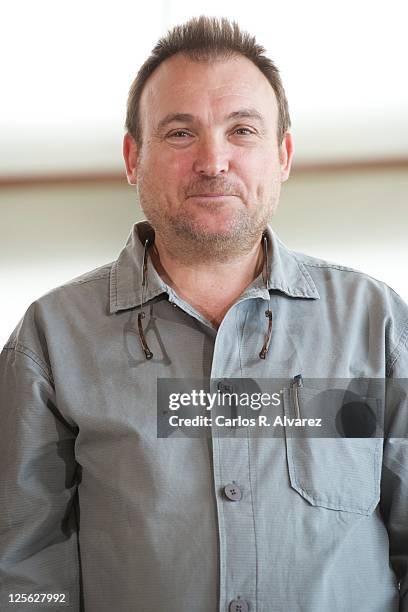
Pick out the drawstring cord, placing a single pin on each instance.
(148, 353)
(268, 313)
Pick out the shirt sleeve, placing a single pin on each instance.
(38, 486)
(394, 485)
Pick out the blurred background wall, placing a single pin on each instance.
(65, 204)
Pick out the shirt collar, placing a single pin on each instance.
(287, 273)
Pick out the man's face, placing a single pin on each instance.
(209, 169)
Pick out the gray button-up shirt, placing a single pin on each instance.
(94, 504)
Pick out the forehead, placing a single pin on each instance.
(208, 90)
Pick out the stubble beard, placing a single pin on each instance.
(188, 239)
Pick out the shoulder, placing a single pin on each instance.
(350, 294)
(92, 281)
(89, 276)
(323, 264)
(344, 279)
(79, 298)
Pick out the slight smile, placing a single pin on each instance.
(213, 196)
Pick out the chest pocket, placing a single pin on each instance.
(336, 472)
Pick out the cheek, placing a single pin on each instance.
(258, 172)
(171, 168)
(179, 166)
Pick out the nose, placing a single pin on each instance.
(212, 157)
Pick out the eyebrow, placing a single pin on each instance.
(171, 117)
(246, 113)
(242, 113)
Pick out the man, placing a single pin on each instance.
(97, 506)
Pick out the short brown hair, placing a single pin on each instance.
(206, 39)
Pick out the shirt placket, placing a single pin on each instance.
(232, 482)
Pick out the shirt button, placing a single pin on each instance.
(232, 492)
(238, 605)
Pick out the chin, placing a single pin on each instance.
(214, 229)
(218, 223)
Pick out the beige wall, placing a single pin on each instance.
(51, 234)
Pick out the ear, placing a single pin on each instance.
(130, 155)
(286, 151)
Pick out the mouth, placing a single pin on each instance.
(213, 196)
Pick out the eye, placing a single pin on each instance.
(178, 134)
(244, 131)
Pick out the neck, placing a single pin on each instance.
(210, 287)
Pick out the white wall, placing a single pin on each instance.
(69, 67)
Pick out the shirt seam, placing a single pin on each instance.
(402, 342)
(253, 521)
(309, 280)
(240, 341)
(221, 522)
(21, 348)
(331, 266)
(114, 286)
(89, 280)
